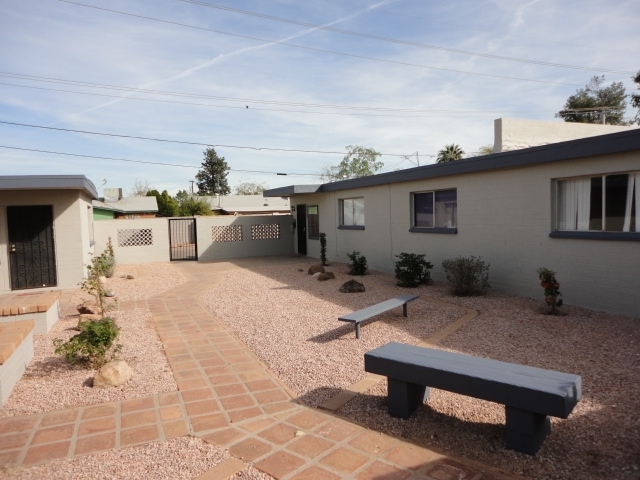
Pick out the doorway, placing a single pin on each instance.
(32, 260)
(183, 241)
(302, 229)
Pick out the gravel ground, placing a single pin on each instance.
(289, 319)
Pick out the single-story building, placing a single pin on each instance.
(46, 230)
(248, 205)
(572, 207)
(114, 206)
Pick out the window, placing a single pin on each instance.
(314, 221)
(435, 212)
(606, 203)
(352, 213)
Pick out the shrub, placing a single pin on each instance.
(551, 290)
(94, 343)
(467, 275)
(323, 248)
(101, 266)
(357, 263)
(412, 270)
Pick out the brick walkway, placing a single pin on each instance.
(228, 397)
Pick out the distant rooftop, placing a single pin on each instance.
(129, 205)
(48, 182)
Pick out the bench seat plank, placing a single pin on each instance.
(527, 388)
(366, 313)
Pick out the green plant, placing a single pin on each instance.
(467, 275)
(323, 248)
(357, 263)
(412, 270)
(93, 345)
(92, 284)
(551, 289)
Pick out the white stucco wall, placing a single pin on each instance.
(505, 217)
(158, 251)
(71, 236)
(517, 133)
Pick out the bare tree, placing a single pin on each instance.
(140, 188)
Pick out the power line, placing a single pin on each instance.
(149, 162)
(333, 52)
(184, 141)
(405, 42)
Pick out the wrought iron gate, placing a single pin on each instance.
(32, 260)
(183, 243)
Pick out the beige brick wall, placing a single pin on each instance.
(506, 217)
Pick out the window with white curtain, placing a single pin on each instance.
(352, 212)
(606, 203)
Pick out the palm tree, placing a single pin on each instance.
(450, 153)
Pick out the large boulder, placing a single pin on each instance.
(326, 276)
(318, 268)
(352, 286)
(89, 308)
(113, 374)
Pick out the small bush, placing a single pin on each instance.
(551, 290)
(93, 345)
(323, 248)
(467, 275)
(412, 270)
(357, 263)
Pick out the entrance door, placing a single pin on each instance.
(302, 229)
(183, 244)
(32, 261)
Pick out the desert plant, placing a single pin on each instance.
(551, 289)
(467, 275)
(412, 270)
(357, 263)
(323, 248)
(94, 287)
(93, 345)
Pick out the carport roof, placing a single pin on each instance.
(49, 182)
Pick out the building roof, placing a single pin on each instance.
(582, 148)
(48, 182)
(249, 203)
(129, 205)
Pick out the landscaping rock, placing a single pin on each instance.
(109, 293)
(130, 277)
(113, 374)
(326, 276)
(300, 270)
(89, 317)
(352, 286)
(316, 269)
(88, 308)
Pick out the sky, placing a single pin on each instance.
(283, 86)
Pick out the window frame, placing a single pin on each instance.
(310, 231)
(341, 206)
(601, 234)
(441, 230)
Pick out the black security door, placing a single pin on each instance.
(302, 229)
(32, 261)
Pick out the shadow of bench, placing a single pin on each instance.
(530, 394)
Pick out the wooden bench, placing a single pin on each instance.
(366, 313)
(530, 394)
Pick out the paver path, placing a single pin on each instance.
(228, 397)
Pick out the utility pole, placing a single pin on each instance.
(191, 186)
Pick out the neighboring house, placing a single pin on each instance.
(573, 207)
(114, 206)
(249, 205)
(46, 230)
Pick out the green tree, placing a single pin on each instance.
(250, 188)
(635, 98)
(194, 205)
(596, 102)
(358, 162)
(212, 176)
(167, 206)
(485, 150)
(450, 153)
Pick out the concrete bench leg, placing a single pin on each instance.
(357, 331)
(526, 430)
(404, 309)
(404, 397)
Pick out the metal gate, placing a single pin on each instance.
(183, 244)
(32, 261)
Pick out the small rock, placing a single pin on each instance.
(113, 374)
(352, 286)
(102, 280)
(315, 269)
(109, 293)
(301, 270)
(89, 317)
(326, 276)
(130, 277)
(317, 274)
(299, 433)
(88, 308)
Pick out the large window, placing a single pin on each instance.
(352, 213)
(435, 211)
(606, 203)
(314, 222)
